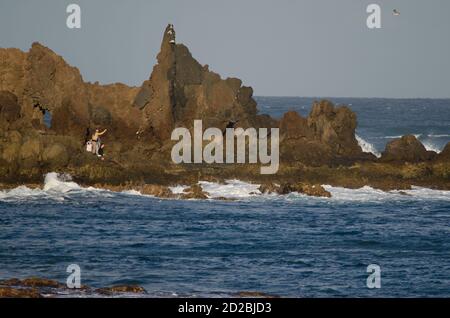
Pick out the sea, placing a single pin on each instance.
(284, 245)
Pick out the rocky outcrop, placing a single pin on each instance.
(326, 136)
(43, 82)
(110, 106)
(406, 148)
(10, 292)
(180, 90)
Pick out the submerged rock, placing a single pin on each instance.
(180, 90)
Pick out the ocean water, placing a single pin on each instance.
(292, 246)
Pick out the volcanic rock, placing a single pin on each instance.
(180, 90)
(9, 292)
(56, 155)
(326, 136)
(406, 148)
(444, 155)
(9, 108)
(194, 192)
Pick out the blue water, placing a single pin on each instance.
(284, 245)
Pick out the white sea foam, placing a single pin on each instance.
(438, 136)
(231, 189)
(56, 187)
(236, 189)
(178, 189)
(388, 137)
(59, 183)
(367, 146)
(59, 187)
(369, 194)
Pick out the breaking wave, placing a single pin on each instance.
(60, 188)
(367, 146)
(236, 189)
(430, 146)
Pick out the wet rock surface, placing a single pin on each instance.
(315, 190)
(194, 192)
(110, 291)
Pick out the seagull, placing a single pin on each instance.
(395, 12)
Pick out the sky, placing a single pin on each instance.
(315, 48)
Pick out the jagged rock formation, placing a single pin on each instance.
(181, 90)
(327, 135)
(43, 82)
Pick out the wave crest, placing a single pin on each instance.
(367, 146)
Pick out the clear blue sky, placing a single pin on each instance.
(283, 47)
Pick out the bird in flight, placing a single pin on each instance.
(395, 12)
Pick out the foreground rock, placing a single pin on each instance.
(32, 282)
(10, 292)
(40, 287)
(45, 288)
(133, 289)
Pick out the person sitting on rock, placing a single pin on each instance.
(97, 141)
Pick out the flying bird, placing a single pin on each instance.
(395, 12)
